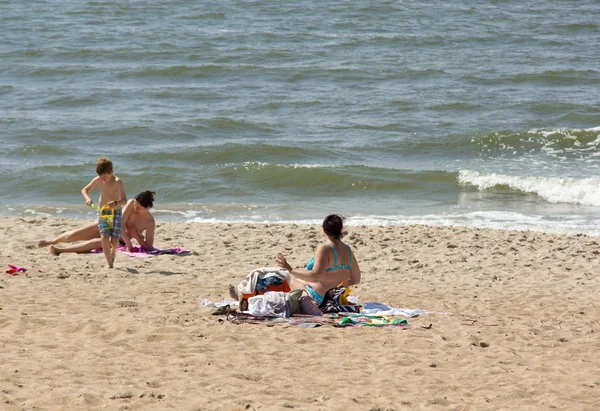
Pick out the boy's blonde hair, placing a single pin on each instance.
(104, 166)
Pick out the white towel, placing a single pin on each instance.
(374, 308)
(248, 284)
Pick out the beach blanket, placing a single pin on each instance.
(369, 308)
(365, 318)
(140, 252)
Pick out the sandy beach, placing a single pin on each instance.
(521, 329)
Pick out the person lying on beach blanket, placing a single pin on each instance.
(138, 224)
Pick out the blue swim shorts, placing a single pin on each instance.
(115, 231)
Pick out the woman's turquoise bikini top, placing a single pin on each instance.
(311, 263)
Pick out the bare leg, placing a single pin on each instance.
(87, 232)
(107, 251)
(83, 247)
(114, 244)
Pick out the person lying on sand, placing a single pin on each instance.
(138, 224)
(334, 264)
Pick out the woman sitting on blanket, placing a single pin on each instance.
(333, 264)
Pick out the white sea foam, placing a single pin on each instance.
(501, 220)
(260, 164)
(584, 191)
(565, 222)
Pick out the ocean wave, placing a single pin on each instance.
(192, 152)
(550, 145)
(56, 70)
(332, 180)
(43, 152)
(228, 124)
(584, 191)
(498, 220)
(552, 142)
(178, 71)
(204, 16)
(5, 89)
(555, 77)
(71, 101)
(577, 26)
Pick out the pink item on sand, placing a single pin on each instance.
(14, 270)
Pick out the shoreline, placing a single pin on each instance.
(80, 335)
(356, 221)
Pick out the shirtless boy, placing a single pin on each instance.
(138, 224)
(112, 193)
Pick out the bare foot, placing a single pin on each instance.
(110, 266)
(44, 243)
(233, 292)
(54, 251)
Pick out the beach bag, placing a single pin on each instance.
(299, 303)
(292, 300)
(336, 301)
(308, 306)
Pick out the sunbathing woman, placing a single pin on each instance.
(334, 264)
(137, 219)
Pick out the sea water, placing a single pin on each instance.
(474, 113)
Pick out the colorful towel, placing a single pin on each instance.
(305, 321)
(369, 308)
(308, 321)
(371, 321)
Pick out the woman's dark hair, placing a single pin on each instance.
(333, 225)
(145, 198)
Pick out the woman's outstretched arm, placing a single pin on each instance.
(302, 273)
